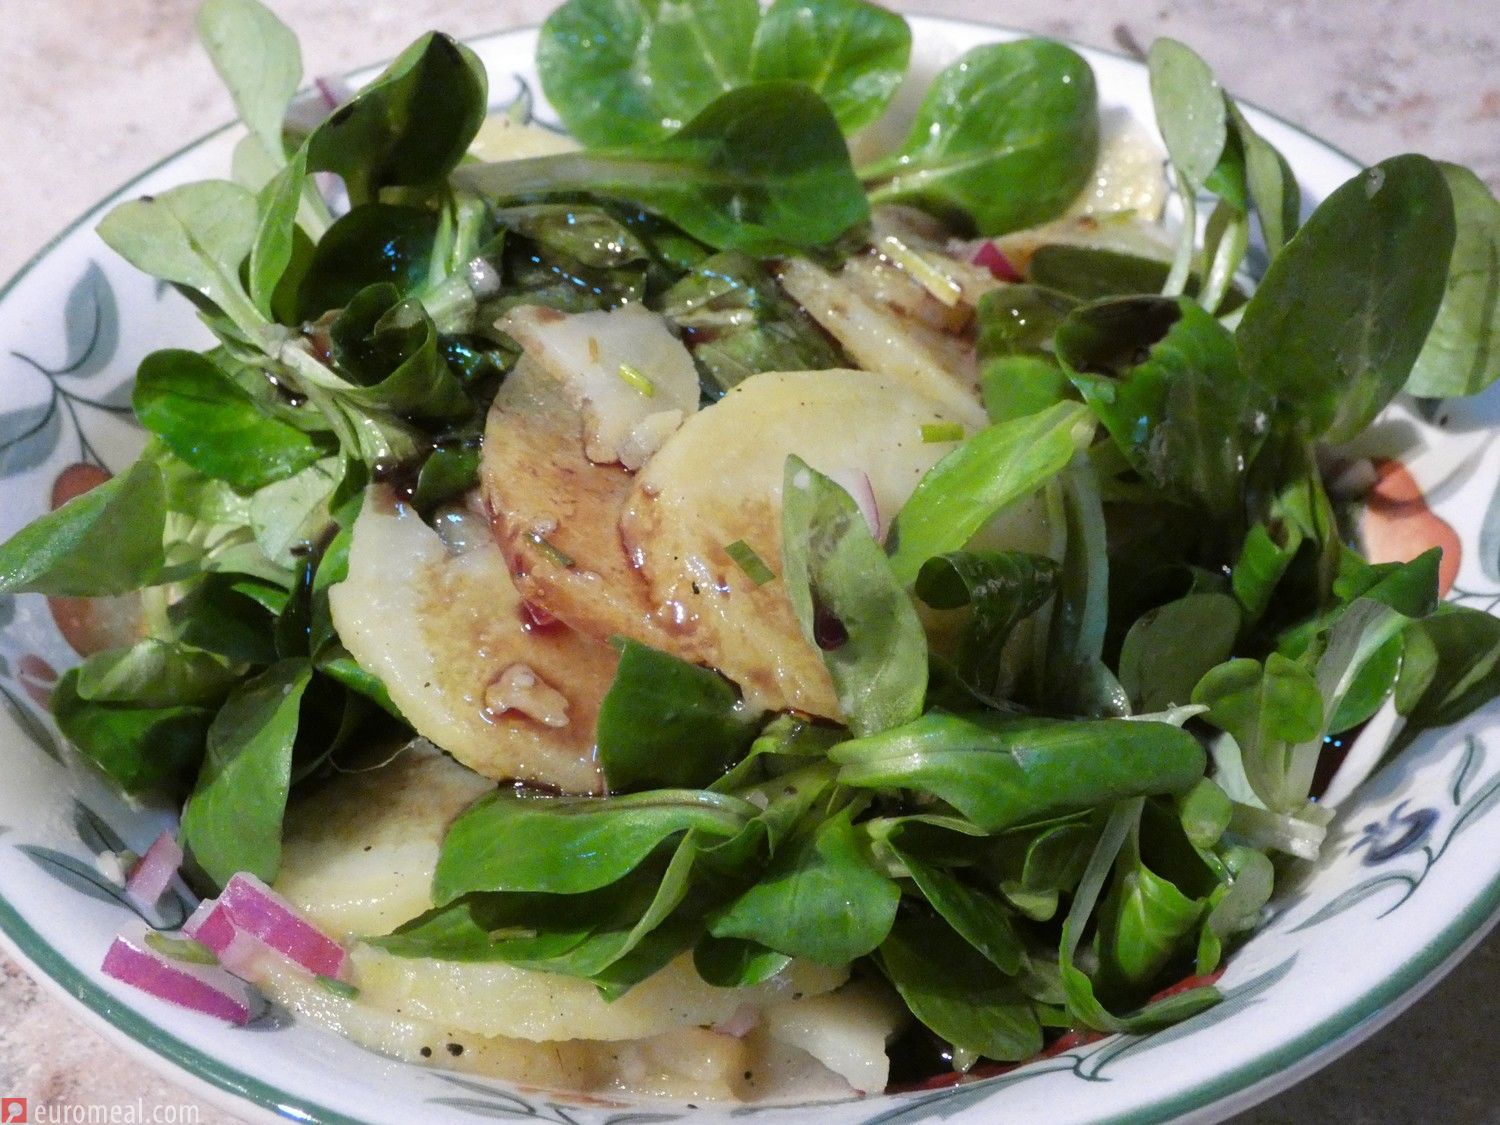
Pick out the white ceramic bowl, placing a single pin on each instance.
(1409, 883)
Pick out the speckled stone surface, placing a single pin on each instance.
(93, 91)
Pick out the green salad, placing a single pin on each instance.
(898, 565)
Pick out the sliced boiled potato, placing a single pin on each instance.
(556, 515)
(493, 998)
(879, 338)
(449, 637)
(1131, 174)
(846, 1030)
(916, 286)
(718, 481)
(503, 138)
(684, 1064)
(359, 850)
(1123, 234)
(951, 284)
(623, 371)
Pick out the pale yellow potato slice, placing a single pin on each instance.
(1122, 234)
(1131, 173)
(718, 481)
(941, 326)
(359, 850)
(951, 284)
(556, 516)
(632, 381)
(359, 859)
(683, 1064)
(503, 138)
(449, 637)
(846, 1030)
(493, 998)
(878, 338)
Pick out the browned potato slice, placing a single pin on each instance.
(449, 637)
(556, 516)
(718, 481)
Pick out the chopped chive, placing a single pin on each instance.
(338, 987)
(511, 933)
(554, 556)
(746, 559)
(928, 276)
(935, 432)
(181, 949)
(637, 380)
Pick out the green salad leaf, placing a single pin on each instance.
(107, 541)
(979, 918)
(202, 414)
(147, 746)
(668, 724)
(1462, 352)
(625, 72)
(993, 468)
(1000, 770)
(195, 236)
(821, 898)
(1163, 377)
(1170, 648)
(737, 322)
(1189, 110)
(259, 60)
(1343, 312)
(1005, 138)
(851, 52)
(566, 845)
(1001, 589)
(849, 604)
(956, 992)
(628, 71)
(763, 169)
(232, 821)
(410, 126)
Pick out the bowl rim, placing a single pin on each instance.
(219, 1081)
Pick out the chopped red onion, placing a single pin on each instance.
(744, 1020)
(253, 908)
(993, 259)
(534, 616)
(150, 878)
(201, 988)
(312, 107)
(211, 926)
(335, 194)
(334, 90)
(856, 482)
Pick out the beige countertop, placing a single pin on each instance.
(93, 91)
